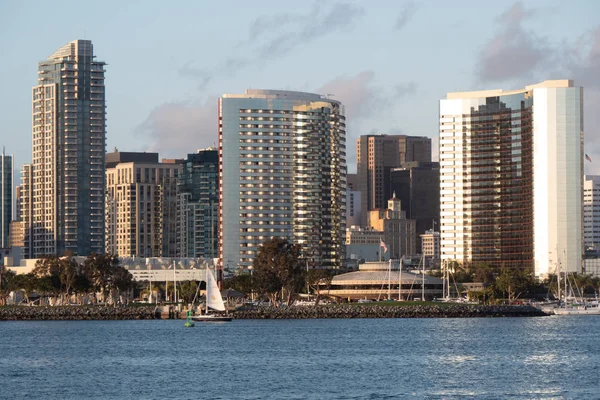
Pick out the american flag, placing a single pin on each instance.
(382, 244)
(588, 158)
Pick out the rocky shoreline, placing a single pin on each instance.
(416, 311)
(75, 313)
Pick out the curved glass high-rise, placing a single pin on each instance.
(282, 173)
(511, 177)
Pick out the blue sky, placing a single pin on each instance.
(389, 62)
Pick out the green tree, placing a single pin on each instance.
(47, 270)
(7, 283)
(187, 291)
(242, 283)
(513, 282)
(483, 272)
(319, 280)
(101, 269)
(278, 270)
(28, 283)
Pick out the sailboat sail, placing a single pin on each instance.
(213, 294)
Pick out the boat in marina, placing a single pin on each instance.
(590, 308)
(571, 304)
(214, 301)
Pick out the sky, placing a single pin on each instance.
(388, 62)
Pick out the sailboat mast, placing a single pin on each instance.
(423, 276)
(207, 294)
(389, 296)
(175, 281)
(558, 281)
(400, 279)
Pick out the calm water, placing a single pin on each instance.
(537, 358)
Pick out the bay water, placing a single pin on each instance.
(484, 358)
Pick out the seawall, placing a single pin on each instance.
(414, 311)
(74, 313)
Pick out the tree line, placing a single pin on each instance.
(513, 284)
(279, 274)
(99, 279)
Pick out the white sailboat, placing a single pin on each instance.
(213, 301)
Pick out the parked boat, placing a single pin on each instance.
(591, 308)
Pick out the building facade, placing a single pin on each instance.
(25, 206)
(353, 208)
(399, 232)
(376, 155)
(197, 205)
(417, 185)
(69, 140)
(7, 171)
(430, 248)
(141, 205)
(282, 165)
(364, 244)
(17, 234)
(511, 180)
(591, 211)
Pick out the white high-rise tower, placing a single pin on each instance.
(511, 177)
(68, 143)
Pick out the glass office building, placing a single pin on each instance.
(197, 205)
(511, 168)
(282, 166)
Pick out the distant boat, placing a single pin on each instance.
(591, 308)
(213, 301)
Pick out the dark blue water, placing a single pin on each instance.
(520, 358)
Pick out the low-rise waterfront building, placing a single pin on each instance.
(381, 280)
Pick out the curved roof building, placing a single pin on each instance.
(381, 280)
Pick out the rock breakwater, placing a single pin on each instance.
(405, 311)
(74, 313)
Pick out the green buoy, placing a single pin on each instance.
(189, 323)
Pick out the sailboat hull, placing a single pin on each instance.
(212, 318)
(577, 311)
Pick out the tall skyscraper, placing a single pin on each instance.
(282, 174)
(7, 168)
(417, 185)
(376, 155)
(511, 178)
(197, 205)
(141, 205)
(591, 211)
(69, 140)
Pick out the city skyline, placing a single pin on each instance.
(386, 91)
